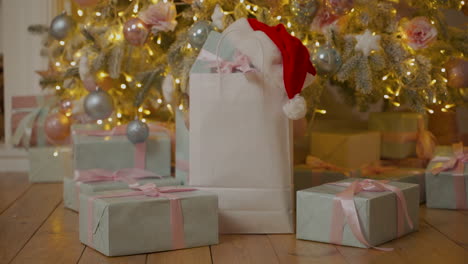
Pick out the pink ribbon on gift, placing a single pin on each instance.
(183, 165)
(150, 190)
(376, 168)
(456, 163)
(425, 140)
(345, 208)
(240, 62)
(316, 163)
(140, 148)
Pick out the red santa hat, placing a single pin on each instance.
(296, 65)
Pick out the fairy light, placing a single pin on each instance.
(448, 106)
(103, 75)
(293, 34)
(138, 85)
(55, 154)
(255, 8)
(321, 111)
(195, 18)
(150, 52)
(352, 10)
(57, 64)
(289, 24)
(119, 115)
(189, 46)
(109, 119)
(434, 100)
(140, 110)
(462, 3)
(98, 14)
(397, 104)
(58, 87)
(99, 122)
(433, 82)
(147, 112)
(430, 111)
(62, 43)
(73, 63)
(408, 73)
(445, 80)
(158, 41)
(118, 36)
(68, 114)
(317, 44)
(386, 96)
(143, 120)
(128, 78)
(80, 12)
(444, 110)
(248, 7)
(177, 80)
(159, 101)
(135, 9)
(443, 70)
(432, 22)
(241, 1)
(442, 51)
(278, 18)
(385, 77)
(181, 107)
(123, 86)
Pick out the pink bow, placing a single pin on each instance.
(376, 169)
(457, 164)
(151, 190)
(128, 176)
(240, 62)
(316, 163)
(344, 208)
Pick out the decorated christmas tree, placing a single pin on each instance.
(130, 59)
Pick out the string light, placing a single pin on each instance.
(386, 96)
(255, 8)
(73, 63)
(158, 41)
(58, 87)
(289, 24)
(123, 86)
(159, 101)
(317, 44)
(128, 78)
(433, 82)
(147, 112)
(195, 18)
(385, 77)
(62, 43)
(138, 85)
(99, 122)
(57, 64)
(119, 115)
(181, 107)
(408, 73)
(80, 12)
(143, 120)
(448, 106)
(109, 119)
(118, 36)
(98, 14)
(444, 110)
(321, 111)
(397, 104)
(140, 110)
(189, 46)
(177, 80)
(135, 9)
(443, 70)
(430, 111)
(278, 17)
(55, 154)
(248, 6)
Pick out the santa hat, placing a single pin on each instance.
(296, 65)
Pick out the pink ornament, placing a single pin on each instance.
(135, 31)
(66, 106)
(57, 127)
(89, 84)
(84, 3)
(160, 17)
(419, 32)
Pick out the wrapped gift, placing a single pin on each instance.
(182, 148)
(409, 175)
(443, 124)
(462, 123)
(95, 148)
(358, 213)
(346, 148)
(93, 181)
(50, 164)
(28, 115)
(407, 162)
(447, 179)
(403, 135)
(148, 219)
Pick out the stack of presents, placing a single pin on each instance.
(234, 169)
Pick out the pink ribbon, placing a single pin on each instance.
(345, 208)
(456, 164)
(316, 163)
(240, 62)
(183, 165)
(150, 190)
(140, 148)
(376, 169)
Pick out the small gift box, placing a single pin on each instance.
(317, 172)
(409, 175)
(148, 219)
(28, 115)
(357, 212)
(346, 148)
(50, 164)
(403, 134)
(92, 181)
(447, 177)
(95, 148)
(182, 148)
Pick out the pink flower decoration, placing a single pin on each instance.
(160, 17)
(419, 32)
(323, 18)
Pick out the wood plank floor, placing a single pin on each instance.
(35, 228)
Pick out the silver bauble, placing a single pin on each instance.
(304, 10)
(61, 26)
(137, 131)
(327, 60)
(198, 33)
(98, 104)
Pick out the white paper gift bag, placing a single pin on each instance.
(240, 139)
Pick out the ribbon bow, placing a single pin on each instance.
(344, 208)
(150, 189)
(128, 176)
(316, 163)
(376, 169)
(240, 62)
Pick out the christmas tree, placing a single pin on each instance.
(139, 52)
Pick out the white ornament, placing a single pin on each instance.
(367, 41)
(217, 17)
(295, 108)
(168, 88)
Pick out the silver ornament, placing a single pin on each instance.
(61, 26)
(137, 131)
(304, 10)
(327, 60)
(98, 104)
(198, 33)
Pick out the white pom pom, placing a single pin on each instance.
(295, 108)
(168, 88)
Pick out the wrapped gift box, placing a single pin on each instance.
(72, 188)
(447, 178)
(306, 177)
(50, 164)
(144, 223)
(399, 131)
(99, 149)
(462, 123)
(182, 148)
(409, 175)
(319, 220)
(346, 148)
(407, 163)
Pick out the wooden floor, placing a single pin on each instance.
(35, 228)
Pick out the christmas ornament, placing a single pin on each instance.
(217, 17)
(66, 106)
(135, 31)
(61, 26)
(198, 33)
(160, 17)
(85, 3)
(457, 73)
(304, 10)
(366, 42)
(327, 60)
(57, 127)
(98, 104)
(137, 131)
